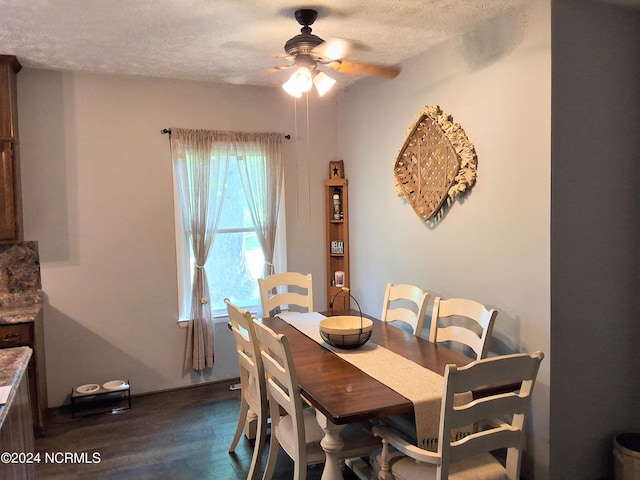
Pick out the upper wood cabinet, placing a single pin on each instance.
(9, 67)
(10, 194)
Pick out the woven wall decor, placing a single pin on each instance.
(436, 162)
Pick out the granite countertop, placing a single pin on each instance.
(19, 313)
(13, 366)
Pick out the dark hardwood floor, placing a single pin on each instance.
(179, 435)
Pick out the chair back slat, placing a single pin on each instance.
(489, 408)
(483, 442)
(521, 369)
(455, 333)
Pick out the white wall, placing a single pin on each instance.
(494, 245)
(98, 197)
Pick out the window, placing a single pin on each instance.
(235, 261)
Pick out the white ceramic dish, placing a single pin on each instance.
(345, 325)
(114, 385)
(88, 388)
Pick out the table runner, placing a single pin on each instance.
(420, 385)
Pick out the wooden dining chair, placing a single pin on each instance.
(298, 431)
(254, 410)
(405, 303)
(502, 414)
(471, 324)
(282, 291)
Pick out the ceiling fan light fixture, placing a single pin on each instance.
(323, 83)
(300, 81)
(291, 88)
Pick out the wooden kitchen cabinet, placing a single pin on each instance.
(30, 334)
(10, 195)
(16, 436)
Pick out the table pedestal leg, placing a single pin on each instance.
(332, 444)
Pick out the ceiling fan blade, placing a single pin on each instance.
(338, 48)
(355, 67)
(277, 69)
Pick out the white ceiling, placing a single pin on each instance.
(231, 41)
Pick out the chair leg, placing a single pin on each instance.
(274, 448)
(299, 470)
(258, 447)
(384, 473)
(244, 409)
(513, 463)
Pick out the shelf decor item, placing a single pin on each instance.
(337, 210)
(336, 169)
(337, 247)
(436, 163)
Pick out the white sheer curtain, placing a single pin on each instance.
(201, 161)
(261, 165)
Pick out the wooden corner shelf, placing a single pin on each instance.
(337, 239)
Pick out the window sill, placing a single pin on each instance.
(216, 321)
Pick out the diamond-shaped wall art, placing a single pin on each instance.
(437, 162)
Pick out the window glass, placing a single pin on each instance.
(235, 210)
(236, 260)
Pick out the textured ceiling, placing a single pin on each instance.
(231, 41)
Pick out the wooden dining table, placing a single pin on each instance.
(341, 393)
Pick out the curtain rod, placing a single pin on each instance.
(165, 131)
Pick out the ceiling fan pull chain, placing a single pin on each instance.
(308, 160)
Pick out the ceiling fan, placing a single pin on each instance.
(309, 52)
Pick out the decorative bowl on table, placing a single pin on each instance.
(346, 331)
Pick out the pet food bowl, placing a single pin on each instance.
(114, 385)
